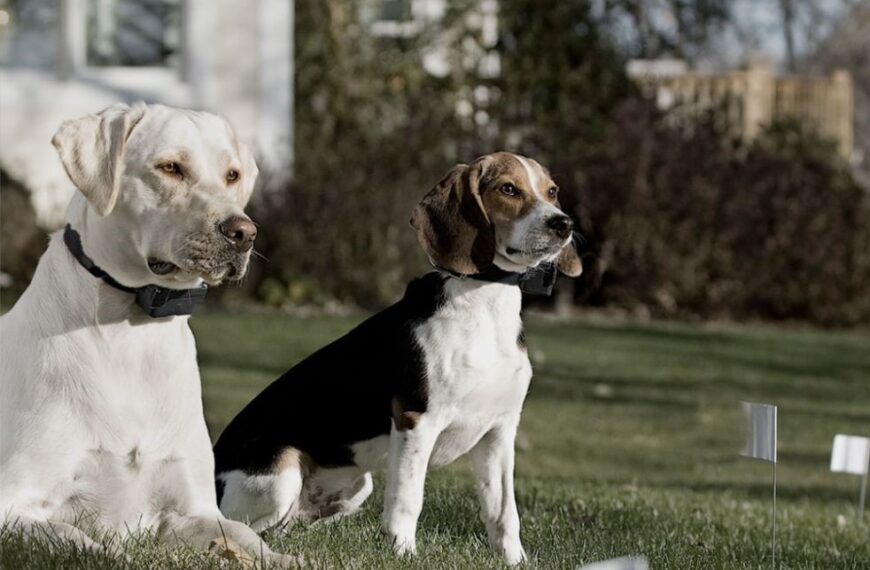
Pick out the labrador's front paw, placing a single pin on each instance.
(285, 560)
(230, 550)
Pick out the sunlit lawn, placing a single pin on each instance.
(627, 446)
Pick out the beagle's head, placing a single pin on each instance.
(501, 209)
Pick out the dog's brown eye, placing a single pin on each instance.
(172, 168)
(509, 190)
(553, 192)
(232, 175)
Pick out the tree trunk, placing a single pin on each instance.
(787, 8)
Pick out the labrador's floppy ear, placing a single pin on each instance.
(249, 173)
(91, 149)
(250, 170)
(568, 261)
(452, 224)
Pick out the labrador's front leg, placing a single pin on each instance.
(410, 448)
(51, 531)
(493, 460)
(229, 538)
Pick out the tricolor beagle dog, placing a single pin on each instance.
(441, 373)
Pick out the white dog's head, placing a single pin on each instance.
(165, 191)
(501, 209)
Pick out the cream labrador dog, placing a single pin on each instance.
(101, 421)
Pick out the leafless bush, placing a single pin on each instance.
(698, 224)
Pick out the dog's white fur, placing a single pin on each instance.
(482, 380)
(101, 420)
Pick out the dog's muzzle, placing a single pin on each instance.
(561, 225)
(220, 253)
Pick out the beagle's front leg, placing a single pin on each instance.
(411, 441)
(493, 461)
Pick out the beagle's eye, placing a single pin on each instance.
(232, 175)
(509, 190)
(553, 192)
(171, 168)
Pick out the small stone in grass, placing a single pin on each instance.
(842, 522)
(523, 443)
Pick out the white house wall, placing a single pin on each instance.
(235, 62)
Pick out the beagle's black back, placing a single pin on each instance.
(342, 394)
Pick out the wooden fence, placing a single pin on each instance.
(748, 100)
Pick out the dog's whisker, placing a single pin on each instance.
(256, 253)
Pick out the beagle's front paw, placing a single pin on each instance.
(513, 553)
(404, 545)
(403, 539)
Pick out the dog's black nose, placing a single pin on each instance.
(561, 225)
(240, 231)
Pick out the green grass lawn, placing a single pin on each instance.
(628, 445)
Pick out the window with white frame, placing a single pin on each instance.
(395, 11)
(397, 18)
(133, 33)
(28, 33)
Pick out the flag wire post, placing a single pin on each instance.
(773, 533)
(863, 493)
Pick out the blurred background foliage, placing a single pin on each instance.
(689, 223)
(683, 220)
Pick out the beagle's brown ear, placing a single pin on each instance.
(568, 261)
(91, 149)
(452, 224)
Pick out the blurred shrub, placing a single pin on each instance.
(375, 131)
(680, 220)
(695, 223)
(371, 131)
(21, 240)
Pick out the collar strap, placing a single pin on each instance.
(156, 301)
(536, 281)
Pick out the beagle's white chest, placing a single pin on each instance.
(478, 371)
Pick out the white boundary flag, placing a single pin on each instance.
(626, 563)
(850, 454)
(761, 444)
(760, 431)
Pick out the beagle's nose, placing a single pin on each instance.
(240, 231)
(561, 225)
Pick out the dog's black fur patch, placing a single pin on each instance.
(341, 394)
(219, 489)
(521, 340)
